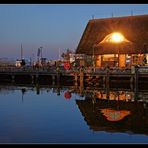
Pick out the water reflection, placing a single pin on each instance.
(115, 111)
(115, 115)
(111, 110)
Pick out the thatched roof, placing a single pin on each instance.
(134, 29)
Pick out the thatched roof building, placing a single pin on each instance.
(133, 28)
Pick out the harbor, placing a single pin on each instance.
(70, 74)
(114, 59)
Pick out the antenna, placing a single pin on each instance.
(112, 14)
(131, 12)
(93, 16)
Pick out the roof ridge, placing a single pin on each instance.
(118, 17)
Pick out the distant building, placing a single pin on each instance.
(6, 62)
(18, 63)
(117, 41)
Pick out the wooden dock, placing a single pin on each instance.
(134, 77)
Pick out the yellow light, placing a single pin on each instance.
(117, 37)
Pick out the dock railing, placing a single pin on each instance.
(87, 70)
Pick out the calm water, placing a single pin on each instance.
(53, 115)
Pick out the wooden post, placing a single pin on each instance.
(136, 83)
(104, 81)
(37, 89)
(107, 82)
(76, 80)
(107, 77)
(136, 79)
(13, 78)
(53, 80)
(32, 79)
(58, 78)
(36, 78)
(131, 82)
(81, 80)
(37, 84)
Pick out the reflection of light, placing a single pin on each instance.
(67, 95)
(115, 115)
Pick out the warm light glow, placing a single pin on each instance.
(115, 115)
(117, 37)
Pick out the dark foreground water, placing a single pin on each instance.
(53, 115)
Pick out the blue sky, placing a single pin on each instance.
(52, 26)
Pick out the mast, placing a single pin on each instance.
(21, 52)
(41, 52)
(59, 54)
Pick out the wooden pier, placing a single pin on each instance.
(134, 77)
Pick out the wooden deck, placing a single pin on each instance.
(80, 76)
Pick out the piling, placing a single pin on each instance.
(76, 80)
(136, 79)
(81, 80)
(58, 78)
(53, 80)
(13, 78)
(32, 79)
(131, 82)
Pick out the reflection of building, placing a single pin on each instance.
(130, 48)
(105, 115)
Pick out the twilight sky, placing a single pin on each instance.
(52, 26)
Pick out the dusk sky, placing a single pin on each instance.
(52, 26)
